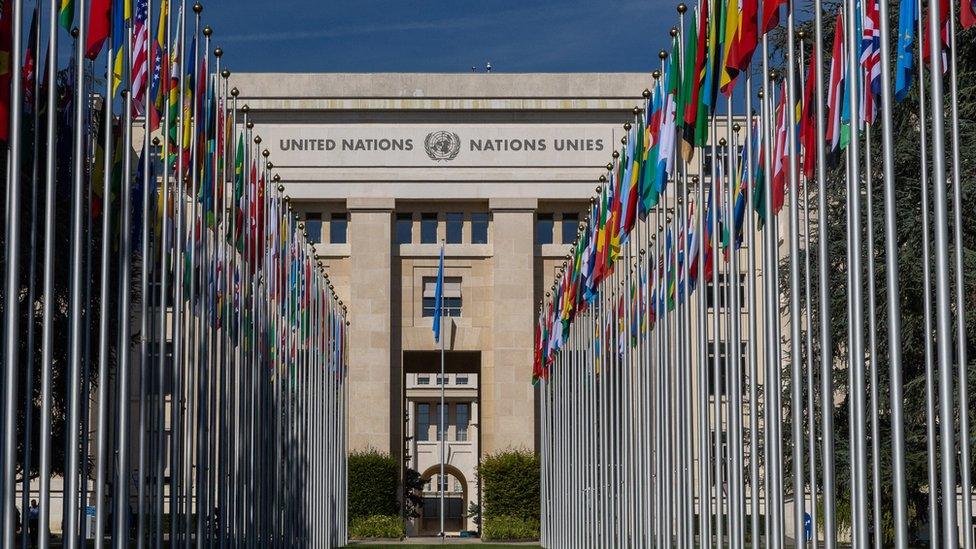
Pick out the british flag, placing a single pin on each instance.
(870, 60)
(140, 56)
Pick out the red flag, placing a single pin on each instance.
(967, 15)
(771, 14)
(780, 153)
(944, 25)
(746, 38)
(6, 70)
(99, 26)
(808, 122)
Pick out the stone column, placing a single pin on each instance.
(370, 377)
(507, 396)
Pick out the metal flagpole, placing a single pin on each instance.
(441, 431)
(103, 329)
(960, 301)
(872, 343)
(826, 343)
(121, 488)
(12, 283)
(752, 327)
(78, 214)
(931, 439)
(893, 292)
(47, 311)
(950, 533)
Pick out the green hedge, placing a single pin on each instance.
(509, 528)
(377, 526)
(373, 478)
(510, 495)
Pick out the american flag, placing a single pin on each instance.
(140, 55)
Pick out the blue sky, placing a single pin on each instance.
(443, 36)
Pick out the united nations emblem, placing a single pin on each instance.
(442, 145)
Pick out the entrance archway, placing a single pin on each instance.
(455, 501)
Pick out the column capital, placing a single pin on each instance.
(513, 204)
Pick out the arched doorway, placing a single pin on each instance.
(455, 501)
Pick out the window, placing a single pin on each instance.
(461, 422)
(153, 379)
(428, 228)
(479, 228)
(423, 422)
(570, 227)
(423, 380)
(543, 229)
(723, 378)
(724, 296)
(461, 380)
(457, 485)
(313, 224)
(451, 300)
(437, 420)
(455, 221)
(338, 225)
(441, 380)
(404, 228)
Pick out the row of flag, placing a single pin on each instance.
(689, 373)
(190, 283)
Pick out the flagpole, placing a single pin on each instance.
(872, 343)
(825, 336)
(931, 438)
(47, 316)
(751, 310)
(961, 334)
(442, 434)
(11, 348)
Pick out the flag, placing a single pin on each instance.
(780, 152)
(870, 60)
(729, 72)
(835, 89)
(667, 134)
(944, 35)
(439, 297)
(120, 16)
(66, 14)
(140, 55)
(967, 15)
(6, 68)
(158, 89)
(29, 70)
(694, 54)
(99, 26)
(648, 180)
(716, 46)
(905, 68)
(746, 39)
(771, 14)
(808, 121)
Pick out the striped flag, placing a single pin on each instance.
(870, 60)
(835, 90)
(140, 55)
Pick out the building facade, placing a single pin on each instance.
(386, 167)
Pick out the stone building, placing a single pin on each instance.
(386, 167)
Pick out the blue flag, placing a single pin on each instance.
(905, 69)
(439, 298)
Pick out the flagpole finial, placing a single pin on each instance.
(250, 125)
(265, 153)
(197, 7)
(637, 110)
(774, 75)
(736, 127)
(276, 177)
(663, 55)
(610, 165)
(269, 165)
(155, 141)
(234, 92)
(760, 93)
(627, 124)
(207, 31)
(694, 179)
(75, 32)
(673, 32)
(616, 154)
(225, 73)
(647, 93)
(281, 188)
(722, 142)
(245, 108)
(218, 51)
(642, 251)
(801, 34)
(257, 139)
(682, 8)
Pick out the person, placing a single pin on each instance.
(33, 515)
